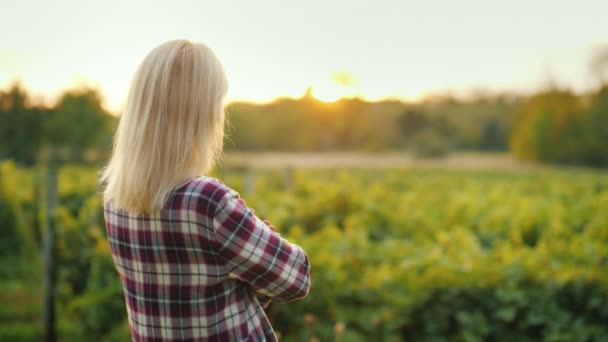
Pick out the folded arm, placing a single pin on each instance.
(254, 253)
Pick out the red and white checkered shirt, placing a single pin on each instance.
(194, 270)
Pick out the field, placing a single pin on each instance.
(398, 252)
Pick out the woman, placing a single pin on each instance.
(195, 262)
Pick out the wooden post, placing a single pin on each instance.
(37, 204)
(49, 277)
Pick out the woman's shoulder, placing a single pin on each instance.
(207, 185)
(205, 192)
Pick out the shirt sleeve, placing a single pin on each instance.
(257, 255)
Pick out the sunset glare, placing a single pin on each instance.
(373, 50)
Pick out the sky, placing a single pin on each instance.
(372, 49)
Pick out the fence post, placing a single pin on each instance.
(37, 205)
(49, 277)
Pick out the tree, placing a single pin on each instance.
(79, 123)
(593, 141)
(543, 128)
(20, 126)
(599, 64)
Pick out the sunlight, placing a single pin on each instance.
(341, 84)
(329, 92)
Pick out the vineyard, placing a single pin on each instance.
(397, 254)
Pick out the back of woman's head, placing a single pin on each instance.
(172, 126)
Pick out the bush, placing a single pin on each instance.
(428, 144)
(395, 255)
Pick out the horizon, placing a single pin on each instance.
(467, 95)
(382, 51)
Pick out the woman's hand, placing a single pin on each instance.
(264, 300)
(270, 225)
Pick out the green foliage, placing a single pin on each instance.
(560, 127)
(21, 126)
(554, 126)
(78, 122)
(353, 124)
(518, 310)
(594, 129)
(18, 221)
(77, 128)
(20, 295)
(20, 332)
(428, 144)
(396, 255)
(9, 240)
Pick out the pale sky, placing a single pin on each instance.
(403, 49)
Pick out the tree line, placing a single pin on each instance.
(555, 125)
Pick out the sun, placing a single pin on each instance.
(341, 84)
(327, 92)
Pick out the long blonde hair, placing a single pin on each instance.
(172, 127)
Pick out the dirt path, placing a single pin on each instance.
(471, 161)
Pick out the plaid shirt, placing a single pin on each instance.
(196, 270)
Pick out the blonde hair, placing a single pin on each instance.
(172, 127)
